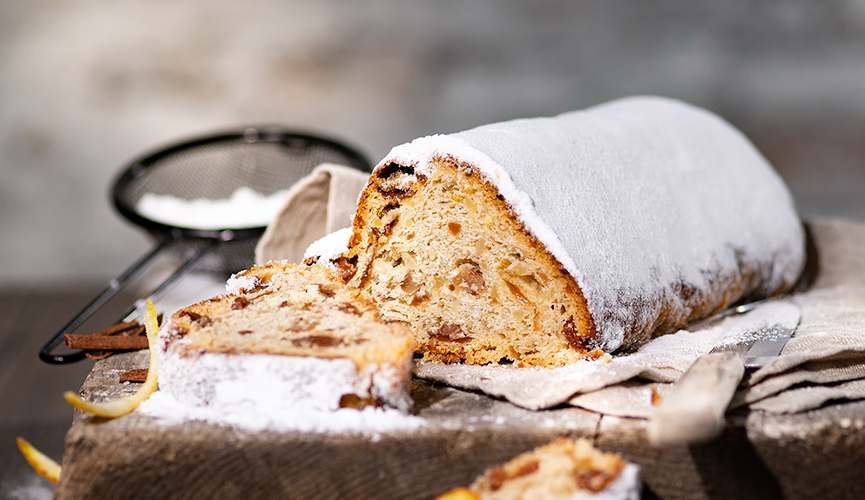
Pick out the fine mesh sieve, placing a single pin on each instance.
(266, 159)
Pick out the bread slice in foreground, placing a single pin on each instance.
(293, 335)
(566, 469)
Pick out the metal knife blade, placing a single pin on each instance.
(694, 410)
(774, 336)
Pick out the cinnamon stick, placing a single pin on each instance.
(118, 328)
(137, 375)
(105, 342)
(128, 328)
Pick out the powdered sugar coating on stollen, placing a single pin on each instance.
(275, 392)
(239, 281)
(634, 198)
(329, 246)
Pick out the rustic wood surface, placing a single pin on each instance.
(31, 403)
(136, 457)
(819, 454)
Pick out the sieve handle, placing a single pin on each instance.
(115, 286)
(184, 269)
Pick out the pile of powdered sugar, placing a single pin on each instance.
(245, 208)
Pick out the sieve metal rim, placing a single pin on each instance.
(246, 135)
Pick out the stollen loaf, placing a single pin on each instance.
(547, 240)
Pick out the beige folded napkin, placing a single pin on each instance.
(319, 204)
(824, 361)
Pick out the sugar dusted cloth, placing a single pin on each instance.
(823, 362)
(319, 204)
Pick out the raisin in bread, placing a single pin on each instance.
(546, 240)
(297, 331)
(565, 469)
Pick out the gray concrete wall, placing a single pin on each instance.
(87, 85)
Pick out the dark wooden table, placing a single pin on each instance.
(31, 405)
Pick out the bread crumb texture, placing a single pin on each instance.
(557, 470)
(291, 310)
(444, 254)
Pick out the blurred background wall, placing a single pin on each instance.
(87, 85)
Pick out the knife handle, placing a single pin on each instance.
(693, 411)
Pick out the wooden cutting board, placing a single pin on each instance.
(819, 454)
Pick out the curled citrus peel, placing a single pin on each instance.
(47, 468)
(121, 406)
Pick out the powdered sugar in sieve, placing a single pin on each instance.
(245, 208)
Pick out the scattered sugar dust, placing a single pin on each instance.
(28, 486)
(263, 417)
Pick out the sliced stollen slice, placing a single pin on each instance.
(290, 335)
(544, 241)
(566, 469)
